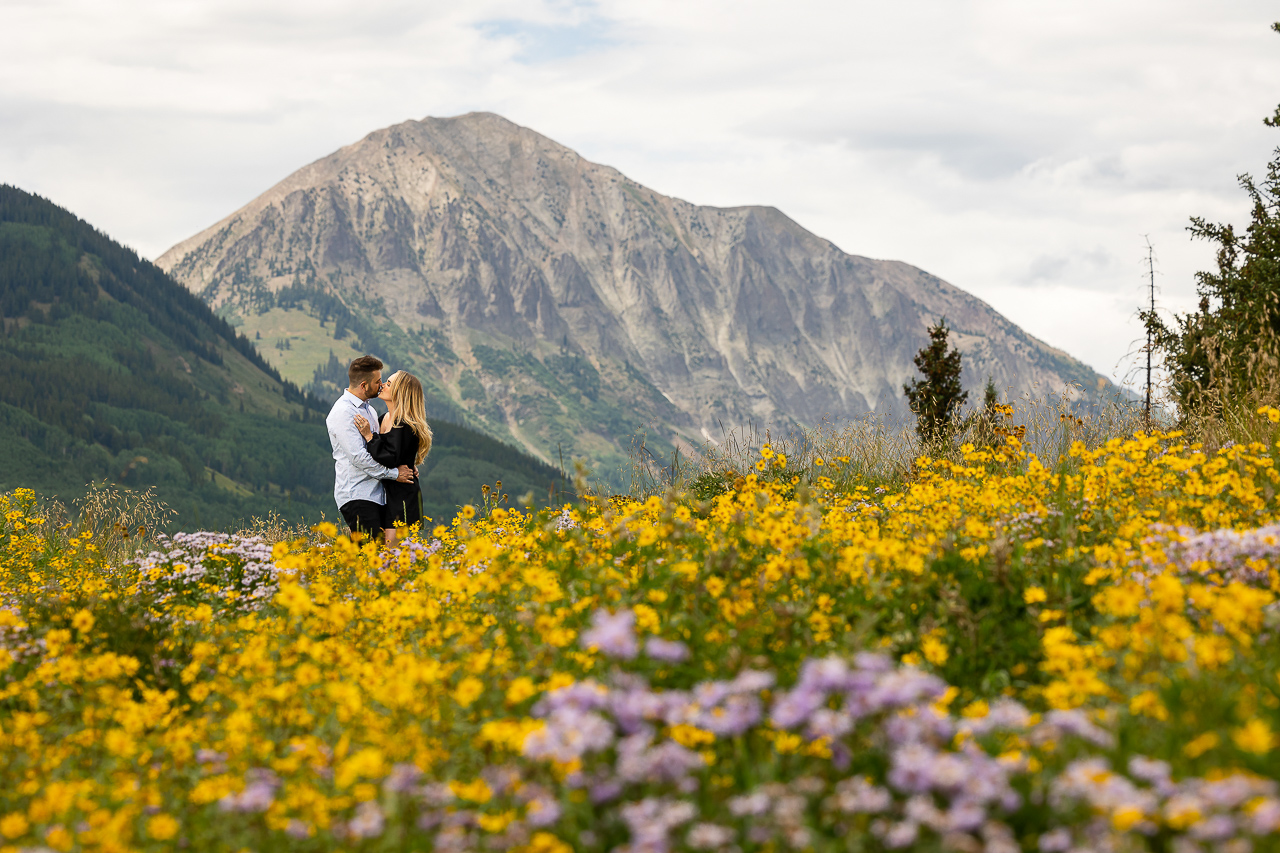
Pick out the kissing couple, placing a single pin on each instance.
(376, 463)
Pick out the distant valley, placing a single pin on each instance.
(557, 305)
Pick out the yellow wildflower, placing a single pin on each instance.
(1255, 737)
(162, 827)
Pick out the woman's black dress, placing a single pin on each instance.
(393, 448)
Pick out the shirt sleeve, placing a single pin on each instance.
(351, 443)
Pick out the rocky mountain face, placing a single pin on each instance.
(555, 303)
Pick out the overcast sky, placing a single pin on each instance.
(1015, 148)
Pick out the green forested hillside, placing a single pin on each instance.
(110, 370)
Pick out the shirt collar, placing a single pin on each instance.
(355, 401)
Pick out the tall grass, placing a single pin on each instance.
(881, 450)
(124, 523)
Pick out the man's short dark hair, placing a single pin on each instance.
(363, 368)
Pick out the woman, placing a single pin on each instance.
(404, 439)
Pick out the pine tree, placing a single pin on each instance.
(936, 398)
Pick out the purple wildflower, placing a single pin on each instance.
(901, 835)
(749, 804)
(401, 779)
(751, 681)
(965, 816)
(1073, 722)
(709, 836)
(666, 762)
(368, 822)
(1214, 828)
(793, 708)
(542, 810)
(1055, 841)
(568, 735)
(737, 714)
(587, 695)
(1265, 817)
(857, 795)
(827, 674)
(667, 651)
(257, 795)
(827, 723)
(612, 634)
(605, 790)
(911, 768)
(651, 821)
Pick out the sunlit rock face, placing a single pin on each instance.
(559, 304)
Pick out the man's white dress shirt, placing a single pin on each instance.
(356, 476)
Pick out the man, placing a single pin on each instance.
(357, 485)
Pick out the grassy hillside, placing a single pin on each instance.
(114, 372)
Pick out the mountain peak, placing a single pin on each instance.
(561, 306)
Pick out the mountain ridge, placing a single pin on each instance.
(444, 235)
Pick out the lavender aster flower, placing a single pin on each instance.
(667, 651)
(827, 723)
(901, 835)
(605, 791)
(612, 634)
(586, 695)
(1218, 827)
(542, 811)
(1156, 773)
(911, 768)
(666, 762)
(368, 822)
(965, 816)
(873, 662)
(709, 836)
(735, 716)
(401, 779)
(828, 674)
(568, 735)
(793, 708)
(652, 819)
(749, 804)
(1055, 841)
(857, 795)
(257, 795)
(751, 681)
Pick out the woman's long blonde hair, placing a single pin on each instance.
(411, 411)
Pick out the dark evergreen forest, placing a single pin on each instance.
(113, 371)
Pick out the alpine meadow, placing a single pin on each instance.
(990, 604)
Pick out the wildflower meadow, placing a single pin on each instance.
(995, 651)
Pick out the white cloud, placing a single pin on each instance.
(1021, 151)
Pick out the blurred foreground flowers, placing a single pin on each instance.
(999, 653)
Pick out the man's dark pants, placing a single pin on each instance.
(363, 517)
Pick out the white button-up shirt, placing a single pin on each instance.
(356, 476)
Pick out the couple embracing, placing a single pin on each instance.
(376, 463)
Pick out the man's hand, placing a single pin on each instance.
(407, 474)
(362, 424)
